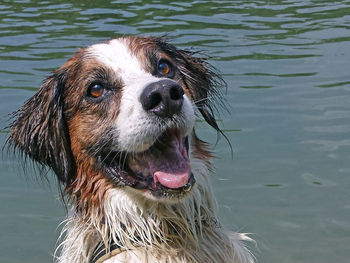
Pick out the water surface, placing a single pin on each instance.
(286, 64)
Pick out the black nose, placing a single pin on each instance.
(164, 98)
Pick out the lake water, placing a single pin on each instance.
(287, 66)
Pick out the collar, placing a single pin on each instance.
(101, 253)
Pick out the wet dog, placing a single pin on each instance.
(116, 125)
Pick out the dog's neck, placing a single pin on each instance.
(188, 230)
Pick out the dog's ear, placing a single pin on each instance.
(204, 84)
(39, 130)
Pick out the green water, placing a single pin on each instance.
(287, 66)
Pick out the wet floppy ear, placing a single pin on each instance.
(39, 130)
(204, 85)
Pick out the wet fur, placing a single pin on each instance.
(52, 129)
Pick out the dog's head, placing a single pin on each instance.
(120, 114)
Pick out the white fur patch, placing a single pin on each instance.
(116, 55)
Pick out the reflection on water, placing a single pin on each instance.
(287, 68)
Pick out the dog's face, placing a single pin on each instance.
(120, 114)
(134, 116)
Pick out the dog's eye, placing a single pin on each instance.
(164, 67)
(95, 91)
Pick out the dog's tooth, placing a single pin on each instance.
(187, 187)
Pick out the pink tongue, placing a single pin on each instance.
(172, 179)
(172, 168)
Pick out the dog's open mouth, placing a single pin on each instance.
(164, 168)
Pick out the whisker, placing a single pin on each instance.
(98, 149)
(200, 100)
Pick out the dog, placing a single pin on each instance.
(115, 124)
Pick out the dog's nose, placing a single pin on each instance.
(164, 98)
